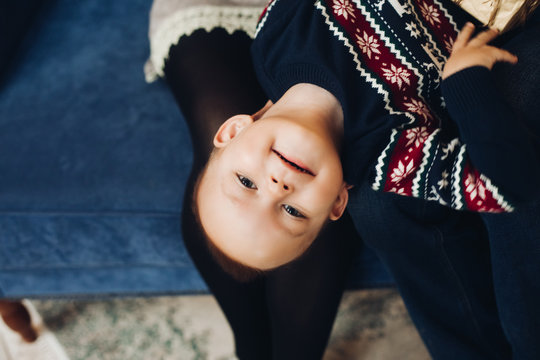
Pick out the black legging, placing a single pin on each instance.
(288, 313)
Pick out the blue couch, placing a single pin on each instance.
(93, 160)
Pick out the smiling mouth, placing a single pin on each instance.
(294, 165)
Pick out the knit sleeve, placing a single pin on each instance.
(498, 143)
(292, 46)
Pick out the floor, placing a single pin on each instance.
(371, 324)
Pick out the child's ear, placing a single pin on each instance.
(341, 202)
(231, 128)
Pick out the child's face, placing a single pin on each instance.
(269, 188)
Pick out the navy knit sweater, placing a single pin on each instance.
(457, 143)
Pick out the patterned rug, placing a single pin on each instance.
(46, 347)
(371, 324)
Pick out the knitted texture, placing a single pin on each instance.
(382, 59)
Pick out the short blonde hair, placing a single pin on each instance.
(522, 15)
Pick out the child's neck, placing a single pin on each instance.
(310, 103)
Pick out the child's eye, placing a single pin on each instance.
(246, 182)
(293, 212)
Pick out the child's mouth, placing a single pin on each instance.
(294, 165)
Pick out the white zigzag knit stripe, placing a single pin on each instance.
(380, 162)
(457, 200)
(447, 15)
(371, 80)
(426, 32)
(426, 190)
(496, 195)
(426, 151)
(396, 52)
(263, 20)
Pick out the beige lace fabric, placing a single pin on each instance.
(170, 20)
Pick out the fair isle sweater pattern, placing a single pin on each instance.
(420, 158)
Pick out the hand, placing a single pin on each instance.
(468, 52)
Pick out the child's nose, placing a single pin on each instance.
(279, 185)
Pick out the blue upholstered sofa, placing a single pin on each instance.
(93, 160)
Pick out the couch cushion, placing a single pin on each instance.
(93, 163)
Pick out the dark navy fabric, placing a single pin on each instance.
(93, 163)
(515, 238)
(515, 248)
(311, 43)
(441, 261)
(16, 18)
(470, 282)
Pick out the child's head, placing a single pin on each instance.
(273, 180)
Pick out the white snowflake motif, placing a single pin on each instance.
(368, 44)
(417, 136)
(475, 187)
(419, 107)
(397, 75)
(449, 44)
(429, 66)
(400, 191)
(413, 29)
(443, 183)
(402, 171)
(436, 196)
(447, 150)
(430, 13)
(343, 8)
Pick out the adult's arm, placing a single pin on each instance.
(498, 114)
(499, 141)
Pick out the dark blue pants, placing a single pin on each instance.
(471, 292)
(515, 254)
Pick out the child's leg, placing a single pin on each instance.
(440, 261)
(289, 313)
(200, 71)
(243, 304)
(212, 78)
(303, 297)
(515, 253)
